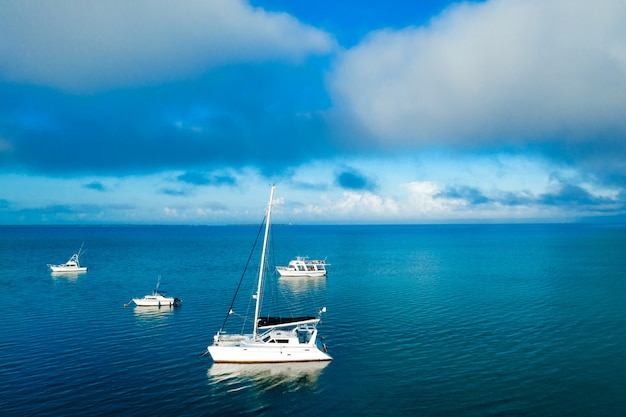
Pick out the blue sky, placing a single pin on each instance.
(164, 112)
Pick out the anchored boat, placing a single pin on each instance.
(72, 265)
(157, 299)
(302, 266)
(273, 339)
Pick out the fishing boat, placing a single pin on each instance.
(72, 265)
(273, 339)
(157, 299)
(302, 266)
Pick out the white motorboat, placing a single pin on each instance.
(273, 339)
(72, 265)
(157, 299)
(302, 266)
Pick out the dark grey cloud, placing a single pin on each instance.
(63, 213)
(564, 195)
(602, 156)
(311, 186)
(573, 195)
(208, 123)
(200, 178)
(176, 192)
(512, 199)
(192, 179)
(352, 179)
(95, 185)
(470, 194)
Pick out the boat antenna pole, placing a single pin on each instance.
(258, 291)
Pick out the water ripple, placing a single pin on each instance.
(455, 320)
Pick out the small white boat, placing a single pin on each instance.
(72, 265)
(302, 266)
(157, 299)
(273, 339)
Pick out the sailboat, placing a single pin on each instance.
(273, 339)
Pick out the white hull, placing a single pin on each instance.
(150, 301)
(63, 268)
(259, 352)
(284, 272)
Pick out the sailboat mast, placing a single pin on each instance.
(261, 269)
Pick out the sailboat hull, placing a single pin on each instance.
(265, 353)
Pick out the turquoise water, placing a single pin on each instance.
(464, 320)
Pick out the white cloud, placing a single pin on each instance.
(481, 72)
(366, 203)
(345, 207)
(81, 45)
(422, 198)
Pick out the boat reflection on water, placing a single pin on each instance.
(290, 375)
(300, 285)
(71, 276)
(153, 312)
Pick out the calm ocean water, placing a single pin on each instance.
(476, 320)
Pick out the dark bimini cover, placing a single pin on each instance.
(275, 321)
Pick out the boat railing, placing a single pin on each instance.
(225, 337)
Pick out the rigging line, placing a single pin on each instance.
(243, 274)
(276, 293)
